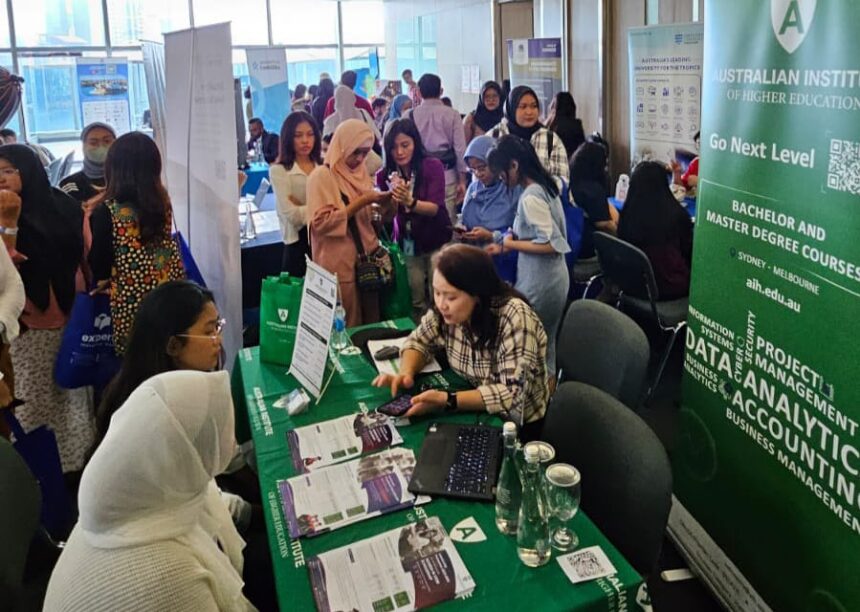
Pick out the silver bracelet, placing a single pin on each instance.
(9, 231)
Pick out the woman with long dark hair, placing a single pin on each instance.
(522, 119)
(133, 250)
(562, 120)
(653, 220)
(422, 224)
(539, 236)
(488, 114)
(300, 145)
(588, 187)
(42, 231)
(491, 337)
(176, 327)
(325, 91)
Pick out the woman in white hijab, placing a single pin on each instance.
(154, 533)
(344, 108)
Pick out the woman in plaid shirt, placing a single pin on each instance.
(491, 337)
(522, 118)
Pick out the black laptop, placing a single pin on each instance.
(459, 461)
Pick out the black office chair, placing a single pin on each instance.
(626, 476)
(602, 347)
(630, 269)
(20, 504)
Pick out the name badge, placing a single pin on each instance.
(409, 247)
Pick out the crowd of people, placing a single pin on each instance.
(476, 204)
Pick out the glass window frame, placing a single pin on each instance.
(20, 52)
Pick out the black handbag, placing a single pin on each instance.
(373, 271)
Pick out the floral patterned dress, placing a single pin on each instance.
(138, 268)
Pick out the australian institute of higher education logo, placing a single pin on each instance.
(791, 21)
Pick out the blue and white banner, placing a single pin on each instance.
(665, 90)
(103, 91)
(270, 90)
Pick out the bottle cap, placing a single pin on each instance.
(509, 428)
(532, 454)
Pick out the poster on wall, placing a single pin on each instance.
(536, 63)
(766, 469)
(665, 91)
(270, 89)
(103, 91)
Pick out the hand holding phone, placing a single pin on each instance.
(397, 407)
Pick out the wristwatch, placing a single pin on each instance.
(451, 404)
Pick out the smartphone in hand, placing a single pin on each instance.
(396, 407)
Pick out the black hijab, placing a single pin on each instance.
(50, 232)
(511, 112)
(485, 118)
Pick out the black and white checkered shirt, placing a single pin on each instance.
(510, 375)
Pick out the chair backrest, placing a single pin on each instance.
(20, 503)
(602, 347)
(626, 476)
(65, 166)
(53, 171)
(626, 265)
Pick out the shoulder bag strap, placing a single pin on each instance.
(549, 142)
(353, 227)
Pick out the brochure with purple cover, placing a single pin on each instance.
(346, 493)
(408, 568)
(329, 442)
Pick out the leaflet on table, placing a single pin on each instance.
(392, 366)
(329, 442)
(404, 569)
(347, 493)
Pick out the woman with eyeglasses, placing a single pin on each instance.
(340, 196)
(42, 228)
(133, 250)
(178, 327)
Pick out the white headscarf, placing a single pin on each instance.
(151, 479)
(344, 109)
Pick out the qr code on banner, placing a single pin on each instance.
(843, 171)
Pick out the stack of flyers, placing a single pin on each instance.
(329, 442)
(346, 493)
(407, 568)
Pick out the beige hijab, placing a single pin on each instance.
(350, 135)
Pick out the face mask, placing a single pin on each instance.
(97, 155)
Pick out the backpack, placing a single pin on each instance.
(574, 221)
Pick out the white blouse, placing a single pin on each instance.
(286, 183)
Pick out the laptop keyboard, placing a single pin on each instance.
(468, 472)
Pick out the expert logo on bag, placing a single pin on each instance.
(101, 321)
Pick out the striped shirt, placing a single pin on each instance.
(510, 374)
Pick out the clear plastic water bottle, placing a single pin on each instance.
(509, 489)
(339, 337)
(533, 525)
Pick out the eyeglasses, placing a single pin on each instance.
(215, 337)
(8, 171)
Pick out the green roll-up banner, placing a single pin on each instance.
(767, 463)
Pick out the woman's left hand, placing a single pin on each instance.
(494, 249)
(427, 402)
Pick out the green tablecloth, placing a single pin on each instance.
(503, 582)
